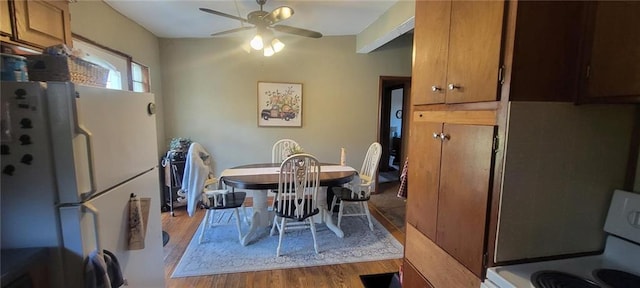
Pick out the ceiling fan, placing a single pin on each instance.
(263, 21)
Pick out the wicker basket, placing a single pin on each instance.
(63, 68)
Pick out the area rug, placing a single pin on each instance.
(221, 251)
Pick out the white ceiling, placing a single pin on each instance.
(183, 19)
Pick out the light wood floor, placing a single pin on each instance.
(182, 227)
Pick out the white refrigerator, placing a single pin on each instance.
(71, 157)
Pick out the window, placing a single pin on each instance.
(115, 61)
(140, 76)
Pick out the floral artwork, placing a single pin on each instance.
(279, 104)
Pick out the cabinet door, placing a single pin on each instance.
(614, 65)
(474, 51)
(5, 18)
(430, 43)
(42, 23)
(423, 175)
(467, 155)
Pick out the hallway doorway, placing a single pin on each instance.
(393, 99)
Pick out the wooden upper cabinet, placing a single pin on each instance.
(424, 160)
(5, 19)
(456, 51)
(42, 23)
(474, 51)
(613, 58)
(430, 44)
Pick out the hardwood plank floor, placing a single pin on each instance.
(182, 227)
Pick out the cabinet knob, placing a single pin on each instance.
(453, 87)
(435, 88)
(440, 136)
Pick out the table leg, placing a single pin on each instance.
(328, 220)
(260, 217)
(325, 214)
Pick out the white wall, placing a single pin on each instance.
(210, 88)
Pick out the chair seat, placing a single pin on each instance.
(345, 194)
(231, 200)
(291, 213)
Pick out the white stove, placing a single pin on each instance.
(617, 267)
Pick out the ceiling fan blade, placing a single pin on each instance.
(214, 12)
(297, 31)
(279, 14)
(232, 31)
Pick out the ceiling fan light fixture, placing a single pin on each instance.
(268, 51)
(277, 45)
(256, 42)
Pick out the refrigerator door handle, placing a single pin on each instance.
(87, 137)
(88, 207)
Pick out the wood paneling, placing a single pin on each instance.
(457, 117)
(182, 228)
(438, 267)
(422, 202)
(464, 191)
(412, 278)
(614, 56)
(545, 64)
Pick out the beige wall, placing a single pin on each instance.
(98, 22)
(210, 88)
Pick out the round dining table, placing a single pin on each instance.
(262, 177)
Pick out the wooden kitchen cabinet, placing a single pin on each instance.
(456, 51)
(5, 19)
(38, 23)
(611, 70)
(450, 183)
(424, 158)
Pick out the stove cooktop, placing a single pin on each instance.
(557, 279)
(609, 278)
(616, 278)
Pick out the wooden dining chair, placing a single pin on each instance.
(214, 199)
(359, 192)
(297, 196)
(280, 151)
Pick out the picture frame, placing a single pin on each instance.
(279, 104)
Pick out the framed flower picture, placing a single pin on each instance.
(279, 104)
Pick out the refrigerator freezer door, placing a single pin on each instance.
(113, 135)
(28, 212)
(140, 268)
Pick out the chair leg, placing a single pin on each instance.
(275, 224)
(366, 211)
(340, 212)
(333, 204)
(281, 236)
(313, 233)
(235, 211)
(206, 224)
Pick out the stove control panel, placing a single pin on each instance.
(623, 219)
